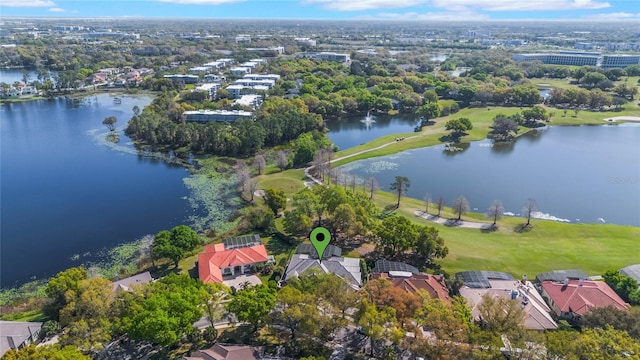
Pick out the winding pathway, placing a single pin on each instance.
(317, 181)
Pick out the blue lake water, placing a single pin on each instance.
(67, 191)
(352, 131)
(585, 174)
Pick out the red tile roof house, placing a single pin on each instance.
(432, 284)
(227, 352)
(217, 262)
(573, 298)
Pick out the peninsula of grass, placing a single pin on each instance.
(481, 117)
(548, 245)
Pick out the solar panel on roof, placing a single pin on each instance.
(241, 241)
(560, 275)
(385, 266)
(480, 279)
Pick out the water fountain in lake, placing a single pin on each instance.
(368, 120)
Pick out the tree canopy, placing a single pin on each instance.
(174, 243)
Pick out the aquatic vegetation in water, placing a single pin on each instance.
(380, 166)
(123, 258)
(214, 202)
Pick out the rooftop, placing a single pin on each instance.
(126, 284)
(306, 259)
(560, 275)
(434, 285)
(13, 334)
(632, 271)
(216, 257)
(480, 279)
(580, 296)
(227, 352)
(536, 310)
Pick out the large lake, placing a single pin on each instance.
(585, 174)
(66, 191)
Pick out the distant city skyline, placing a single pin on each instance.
(402, 10)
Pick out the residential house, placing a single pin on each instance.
(571, 299)
(480, 279)
(306, 258)
(537, 313)
(136, 280)
(632, 271)
(225, 260)
(560, 275)
(17, 334)
(227, 352)
(408, 278)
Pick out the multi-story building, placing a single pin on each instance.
(187, 79)
(239, 71)
(236, 91)
(330, 56)
(210, 88)
(216, 115)
(580, 58)
(619, 61)
(577, 58)
(274, 77)
(259, 82)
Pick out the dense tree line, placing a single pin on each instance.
(160, 125)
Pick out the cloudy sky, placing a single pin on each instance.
(459, 10)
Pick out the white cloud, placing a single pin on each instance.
(614, 16)
(201, 2)
(57, 9)
(521, 5)
(433, 16)
(28, 3)
(462, 5)
(355, 5)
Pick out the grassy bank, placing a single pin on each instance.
(481, 117)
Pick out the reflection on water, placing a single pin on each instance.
(455, 148)
(566, 169)
(69, 187)
(355, 130)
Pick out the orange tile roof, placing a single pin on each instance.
(215, 258)
(429, 283)
(580, 299)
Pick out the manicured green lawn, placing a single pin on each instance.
(289, 181)
(549, 245)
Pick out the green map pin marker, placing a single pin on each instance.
(320, 238)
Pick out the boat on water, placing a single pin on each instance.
(117, 100)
